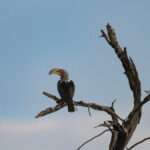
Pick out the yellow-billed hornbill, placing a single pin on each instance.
(65, 87)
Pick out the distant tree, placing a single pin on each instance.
(121, 129)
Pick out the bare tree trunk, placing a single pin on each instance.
(121, 133)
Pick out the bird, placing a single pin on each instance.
(65, 87)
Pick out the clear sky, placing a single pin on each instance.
(38, 35)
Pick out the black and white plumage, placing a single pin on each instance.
(66, 92)
(65, 88)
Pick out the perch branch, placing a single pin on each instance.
(148, 138)
(50, 110)
(92, 139)
(98, 107)
(94, 106)
(52, 97)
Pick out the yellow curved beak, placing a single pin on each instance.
(55, 71)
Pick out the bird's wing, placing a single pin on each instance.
(63, 90)
(72, 88)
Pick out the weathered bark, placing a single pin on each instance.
(120, 138)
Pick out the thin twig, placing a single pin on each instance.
(92, 139)
(148, 138)
(145, 100)
(107, 124)
(112, 105)
(105, 36)
(147, 91)
(89, 111)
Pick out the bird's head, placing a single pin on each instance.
(61, 72)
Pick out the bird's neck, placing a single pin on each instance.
(64, 77)
(63, 81)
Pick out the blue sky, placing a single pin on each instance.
(36, 36)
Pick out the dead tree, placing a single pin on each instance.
(121, 129)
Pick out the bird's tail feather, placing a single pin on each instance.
(71, 106)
